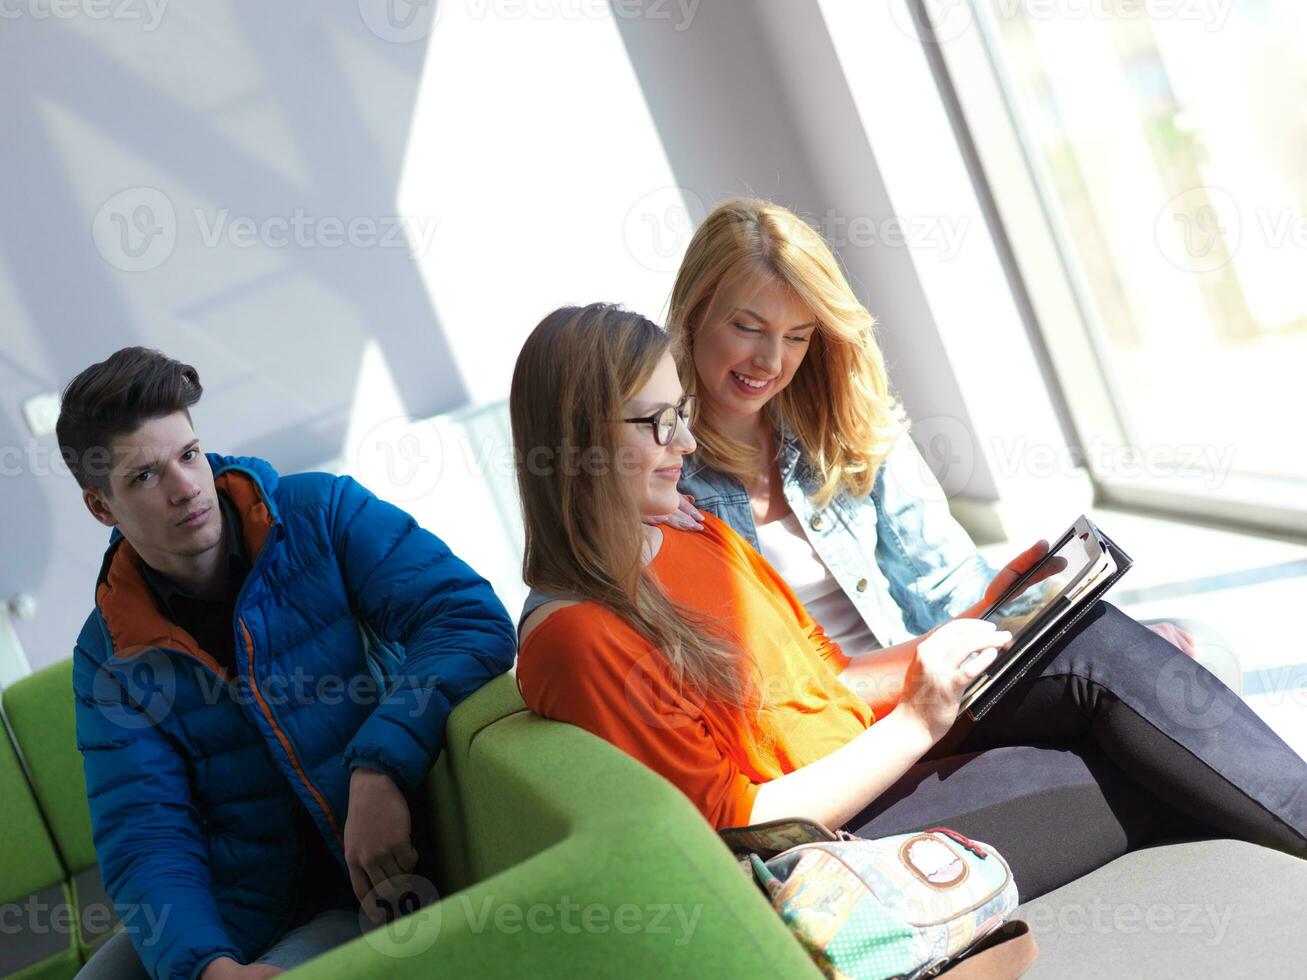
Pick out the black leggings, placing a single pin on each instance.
(1115, 740)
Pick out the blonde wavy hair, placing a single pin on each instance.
(839, 403)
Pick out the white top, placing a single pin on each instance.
(787, 550)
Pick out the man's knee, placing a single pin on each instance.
(116, 959)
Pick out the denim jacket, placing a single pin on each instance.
(898, 554)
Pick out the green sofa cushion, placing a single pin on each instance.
(40, 711)
(31, 883)
(30, 860)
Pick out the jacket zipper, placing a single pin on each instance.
(285, 740)
(254, 684)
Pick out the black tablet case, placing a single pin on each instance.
(1035, 653)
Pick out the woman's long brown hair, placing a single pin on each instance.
(583, 529)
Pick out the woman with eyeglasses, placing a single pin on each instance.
(687, 650)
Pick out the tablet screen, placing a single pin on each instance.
(1045, 583)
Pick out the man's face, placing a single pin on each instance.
(161, 496)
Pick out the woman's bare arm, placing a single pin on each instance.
(877, 675)
(838, 786)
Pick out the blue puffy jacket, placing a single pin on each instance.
(193, 775)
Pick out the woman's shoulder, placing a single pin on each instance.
(541, 613)
(572, 631)
(716, 535)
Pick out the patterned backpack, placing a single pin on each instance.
(902, 906)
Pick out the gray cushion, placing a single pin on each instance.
(1217, 908)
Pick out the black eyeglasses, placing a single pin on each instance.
(664, 421)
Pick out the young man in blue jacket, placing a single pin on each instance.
(261, 688)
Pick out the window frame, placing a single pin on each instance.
(1043, 269)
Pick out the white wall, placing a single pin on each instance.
(535, 154)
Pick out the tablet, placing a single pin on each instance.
(1075, 563)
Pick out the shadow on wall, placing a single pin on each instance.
(219, 181)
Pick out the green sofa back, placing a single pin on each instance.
(40, 710)
(33, 894)
(577, 861)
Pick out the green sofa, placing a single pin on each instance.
(556, 852)
(559, 856)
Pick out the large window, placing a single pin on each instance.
(1167, 141)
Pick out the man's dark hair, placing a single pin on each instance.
(117, 396)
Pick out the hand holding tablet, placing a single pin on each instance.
(1042, 604)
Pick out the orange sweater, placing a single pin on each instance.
(586, 666)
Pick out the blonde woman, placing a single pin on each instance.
(688, 651)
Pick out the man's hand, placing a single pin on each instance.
(226, 968)
(378, 846)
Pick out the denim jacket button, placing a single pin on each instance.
(862, 585)
(817, 523)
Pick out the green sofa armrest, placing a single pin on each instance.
(584, 863)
